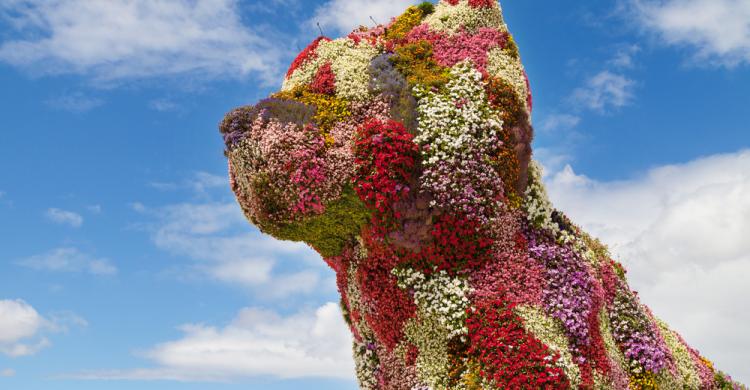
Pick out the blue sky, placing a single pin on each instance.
(125, 263)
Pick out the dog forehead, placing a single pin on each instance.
(452, 30)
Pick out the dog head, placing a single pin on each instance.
(388, 127)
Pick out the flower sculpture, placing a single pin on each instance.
(401, 153)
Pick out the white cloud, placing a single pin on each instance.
(605, 91)
(223, 246)
(75, 102)
(22, 328)
(203, 181)
(257, 342)
(560, 122)
(7, 372)
(69, 259)
(718, 30)
(346, 15)
(682, 232)
(250, 271)
(94, 208)
(64, 217)
(19, 324)
(624, 56)
(163, 105)
(138, 207)
(200, 182)
(126, 39)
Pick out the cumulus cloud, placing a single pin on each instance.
(19, 327)
(605, 91)
(69, 259)
(126, 39)
(64, 217)
(257, 342)
(223, 246)
(346, 15)
(718, 30)
(682, 232)
(23, 329)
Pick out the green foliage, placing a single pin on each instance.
(725, 383)
(327, 233)
(426, 7)
(415, 61)
(511, 47)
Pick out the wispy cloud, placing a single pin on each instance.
(682, 232)
(7, 372)
(560, 122)
(717, 30)
(64, 217)
(257, 342)
(131, 39)
(624, 57)
(164, 105)
(199, 182)
(605, 91)
(75, 102)
(345, 15)
(69, 259)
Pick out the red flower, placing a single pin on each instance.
(457, 244)
(385, 156)
(389, 307)
(324, 81)
(307, 54)
(482, 3)
(507, 354)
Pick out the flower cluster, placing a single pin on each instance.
(637, 335)
(456, 247)
(438, 295)
(385, 156)
(402, 154)
(452, 16)
(551, 333)
(285, 168)
(511, 358)
(537, 205)
(452, 49)
(348, 60)
(568, 292)
(516, 277)
(458, 132)
(388, 307)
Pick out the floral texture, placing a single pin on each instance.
(402, 154)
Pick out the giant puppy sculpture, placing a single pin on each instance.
(401, 153)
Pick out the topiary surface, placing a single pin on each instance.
(401, 153)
